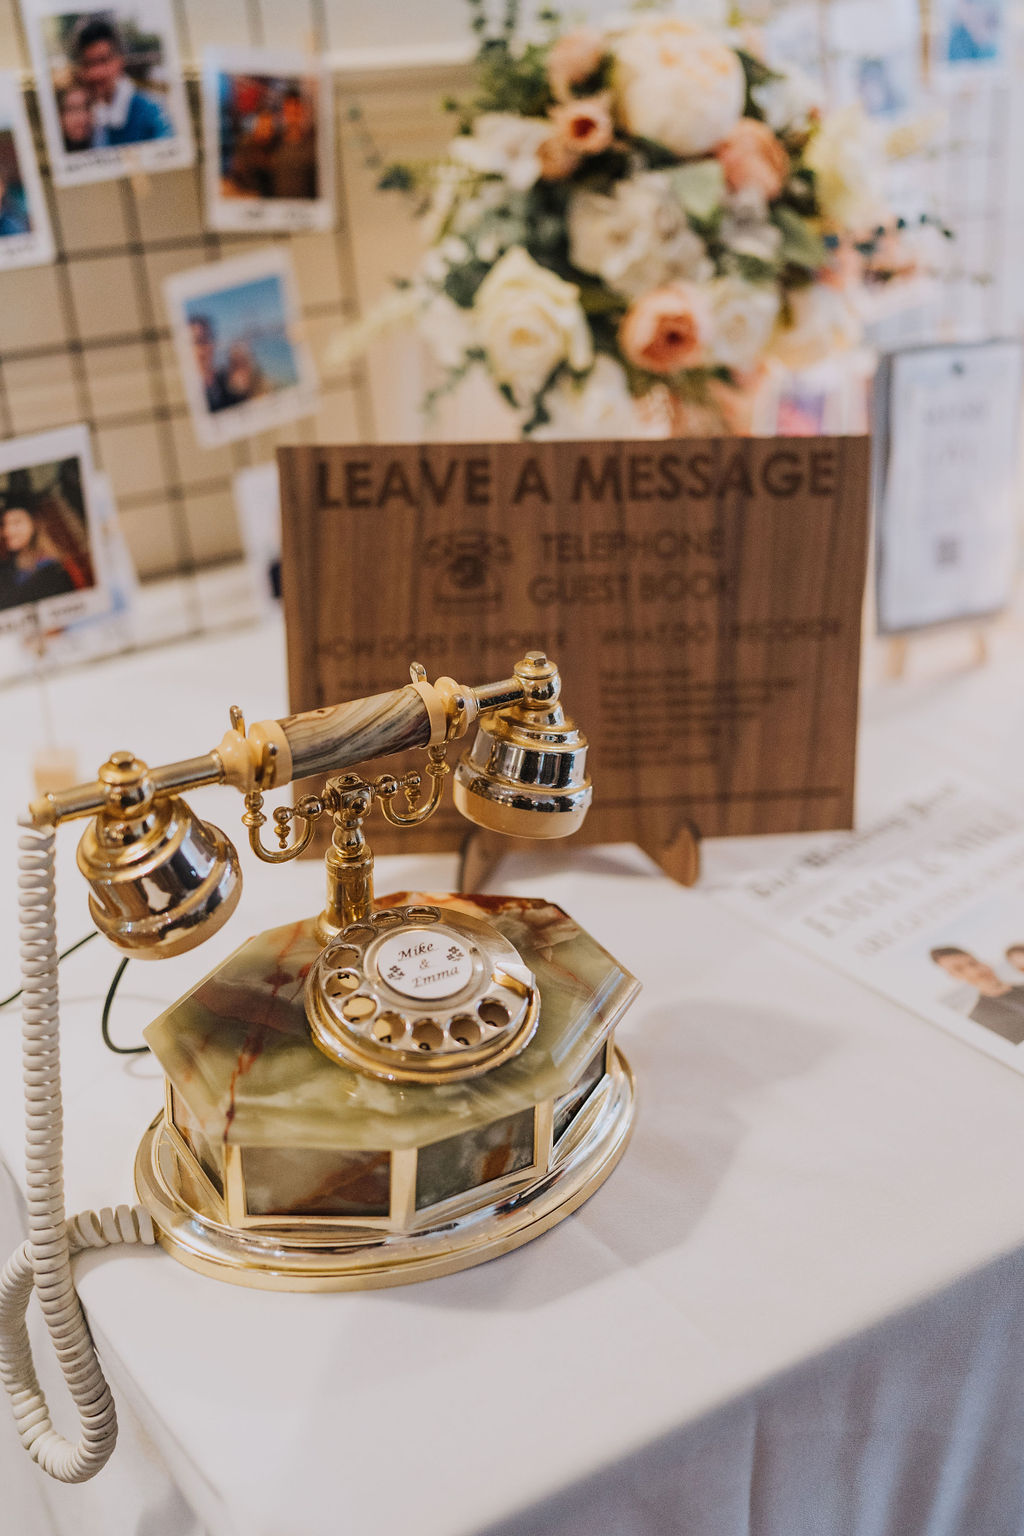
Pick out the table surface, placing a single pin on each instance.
(810, 1159)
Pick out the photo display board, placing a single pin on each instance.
(702, 599)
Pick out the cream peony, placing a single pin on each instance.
(848, 160)
(636, 239)
(528, 320)
(503, 144)
(743, 317)
(677, 84)
(822, 322)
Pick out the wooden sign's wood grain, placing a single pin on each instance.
(702, 598)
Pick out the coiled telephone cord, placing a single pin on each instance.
(43, 1262)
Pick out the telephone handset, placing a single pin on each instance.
(429, 1081)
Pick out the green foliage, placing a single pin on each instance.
(700, 187)
(754, 269)
(754, 73)
(802, 246)
(461, 283)
(397, 178)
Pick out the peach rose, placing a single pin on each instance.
(584, 124)
(751, 156)
(573, 59)
(666, 329)
(557, 158)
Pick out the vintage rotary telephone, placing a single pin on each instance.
(384, 1093)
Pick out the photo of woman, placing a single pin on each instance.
(44, 545)
(76, 123)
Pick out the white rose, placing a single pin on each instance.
(503, 144)
(528, 320)
(743, 317)
(677, 84)
(635, 239)
(600, 406)
(788, 101)
(823, 323)
(848, 160)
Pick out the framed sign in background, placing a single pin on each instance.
(948, 455)
(702, 598)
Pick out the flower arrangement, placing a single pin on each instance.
(644, 208)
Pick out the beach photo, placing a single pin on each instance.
(236, 328)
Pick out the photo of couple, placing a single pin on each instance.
(111, 91)
(996, 1004)
(235, 326)
(268, 136)
(103, 102)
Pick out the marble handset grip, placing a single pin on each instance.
(327, 740)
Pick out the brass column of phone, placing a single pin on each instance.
(389, 1091)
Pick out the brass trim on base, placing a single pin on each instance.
(328, 1260)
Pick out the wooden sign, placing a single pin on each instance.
(701, 597)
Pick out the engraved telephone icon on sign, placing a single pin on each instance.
(430, 1080)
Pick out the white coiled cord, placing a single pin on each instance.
(43, 1262)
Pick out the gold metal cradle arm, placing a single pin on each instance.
(162, 881)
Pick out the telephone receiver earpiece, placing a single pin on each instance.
(526, 773)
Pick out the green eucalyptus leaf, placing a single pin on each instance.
(700, 187)
(802, 246)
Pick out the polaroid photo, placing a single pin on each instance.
(26, 239)
(236, 326)
(874, 49)
(110, 629)
(268, 137)
(801, 409)
(257, 492)
(947, 440)
(111, 92)
(49, 573)
(970, 39)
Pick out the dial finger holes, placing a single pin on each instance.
(422, 914)
(493, 1013)
(389, 1028)
(342, 958)
(427, 1036)
(387, 919)
(341, 983)
(465, 1030)
(359, 932)
(358, 1009)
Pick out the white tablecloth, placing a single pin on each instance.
(794, 1308)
